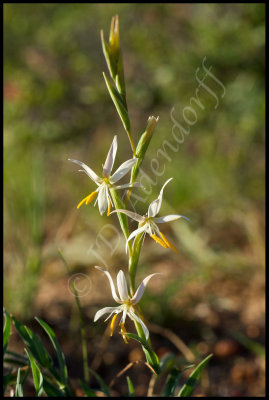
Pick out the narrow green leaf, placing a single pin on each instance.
(102, 384)
(172, 381)
(18, 390)
(140, 340)
(111, 64)
(152, 357)
(22, 358)
(119, 81)
(188, 388)
(142, 146)
(250, 344)
(60, 354)
(7, 331)
(167, 362)
(82, 327)
(37, 375)
(119, 104)
(15, 359)
(33, 343)
(87, 390)
(134, 258)
(51, 390)
(130, 387)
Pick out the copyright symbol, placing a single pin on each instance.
(79, 285)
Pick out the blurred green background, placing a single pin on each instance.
(56, 107)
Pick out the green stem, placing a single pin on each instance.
(133, 262)
(131, 142)
(133, 259)
(122, 217)
(83, 337)
(82, 328)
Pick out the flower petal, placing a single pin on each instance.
(128, 185)
(140, 291)
(110, 158)
(123, 170)
(155, 206)
(113, 291)
(130, 214)
(169, 218)
(88, 170)
(122, 286)
(102, 200)
(136, 232)
(133, 316)
(124, 312)
(105, 310)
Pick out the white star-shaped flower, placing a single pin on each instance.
(148, 223)
(107, 181)
(127, 303)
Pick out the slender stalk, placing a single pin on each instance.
(131, 142)
(133, 260)
(82, 327)
(114, 62)
(122, 217)
(83, 337)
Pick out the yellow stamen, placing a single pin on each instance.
(91, 197)
(123, 331)
(160, 241)
(87, 199)
(112, 325)
(109, 207)
(169, 244)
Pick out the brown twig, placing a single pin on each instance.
(151, 385)
(180, 345)
(128, 366)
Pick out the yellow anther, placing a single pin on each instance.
(169, 244)
(91, 197)
(87, 199)
(109, 207)
(123, 332)
(160, 241)
(112, 325)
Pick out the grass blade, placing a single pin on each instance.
(102, 384)
(60, 354)
(172, 381)
(18, 390)
(130, 387)
(34, 344)
(188, 388)
(250, 344)
(37, 375)
(119, 104)
(51, 390)
(82, 328)
(152, 357)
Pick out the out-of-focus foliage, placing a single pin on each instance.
(56, 106)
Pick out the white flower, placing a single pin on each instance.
(148, 223)
(127, 303)
(107, 181)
